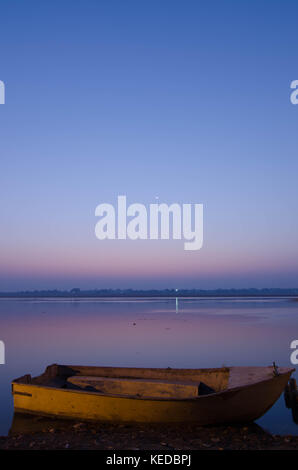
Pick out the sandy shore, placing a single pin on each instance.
(36, 433)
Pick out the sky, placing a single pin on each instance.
(187, 102)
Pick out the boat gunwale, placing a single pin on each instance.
(221, 393)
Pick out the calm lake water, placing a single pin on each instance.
(144, 332)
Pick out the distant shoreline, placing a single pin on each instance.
(76, 293)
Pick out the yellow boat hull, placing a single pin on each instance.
(239, 403)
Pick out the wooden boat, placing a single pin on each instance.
(120, 394)
(291, 398)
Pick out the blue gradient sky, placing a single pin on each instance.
(188, 101)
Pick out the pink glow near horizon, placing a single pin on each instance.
(138, 261)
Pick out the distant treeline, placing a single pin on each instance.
(76, 292)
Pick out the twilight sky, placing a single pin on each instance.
(187, 101)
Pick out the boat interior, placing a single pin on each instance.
(139, 382)
(147, 382)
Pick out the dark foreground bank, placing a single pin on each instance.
(36, 433)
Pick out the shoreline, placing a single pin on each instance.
(37, 433)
